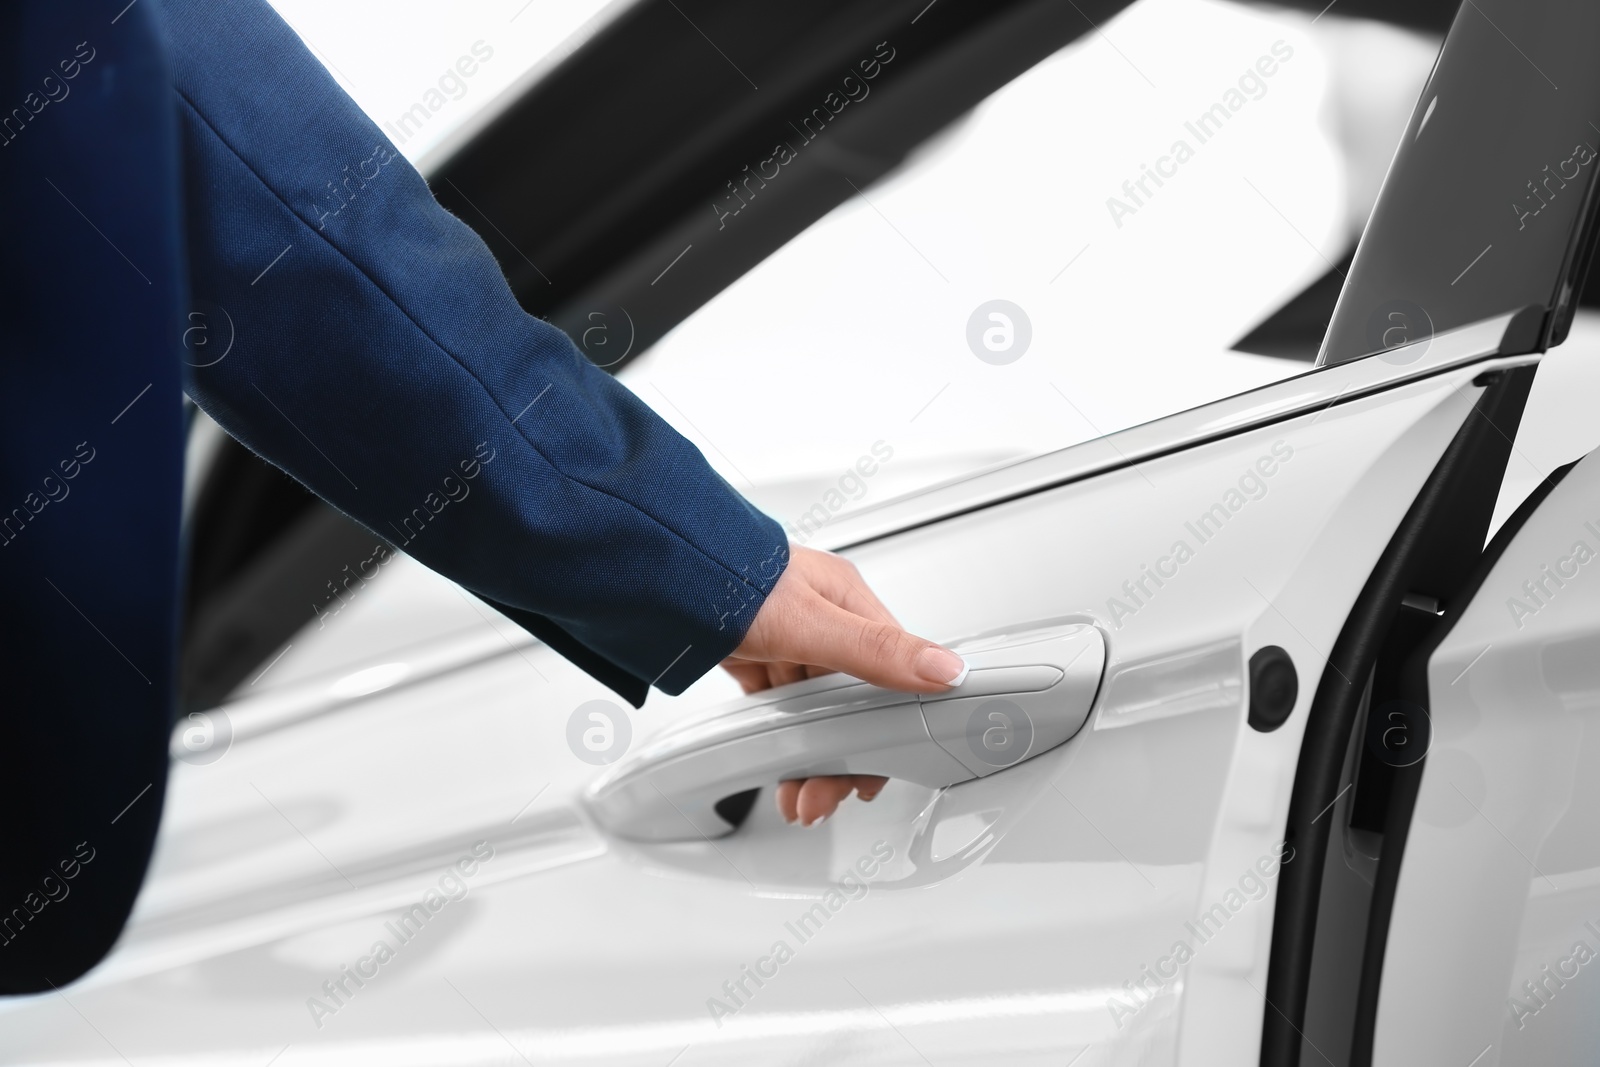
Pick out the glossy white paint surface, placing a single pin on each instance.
(992, 921)
(1494, 943)
(1306, 392)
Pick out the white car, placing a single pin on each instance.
(1275, 747)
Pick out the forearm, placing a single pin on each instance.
(381, 359)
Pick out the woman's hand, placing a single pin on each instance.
(821, 618)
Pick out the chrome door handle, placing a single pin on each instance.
(1026, 693)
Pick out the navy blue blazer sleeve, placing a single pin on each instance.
(379, 357)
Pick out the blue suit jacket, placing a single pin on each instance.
(167, 167)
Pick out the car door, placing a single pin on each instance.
(1110, 898)
(436, 860)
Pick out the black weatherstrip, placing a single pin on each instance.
(1403, 799)
(1434, 550)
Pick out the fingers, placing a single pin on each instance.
(820, 617)
(838, 580)
(820, 614)
(752, 677)
(783, 673)
(820, 797)
(869, 785)
(788, 798)
(875, 652)
(810, 800)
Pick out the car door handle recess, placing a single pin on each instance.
(1025, 694)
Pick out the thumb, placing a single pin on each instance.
(881, 653)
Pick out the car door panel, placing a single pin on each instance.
(1492, 923)
(1046, 891)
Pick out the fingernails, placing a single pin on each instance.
(941, 666)
(818, 821)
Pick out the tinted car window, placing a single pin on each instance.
(1484, 208)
